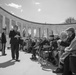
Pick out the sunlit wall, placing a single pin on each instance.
(30, 28)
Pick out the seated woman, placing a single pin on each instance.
(63, 37)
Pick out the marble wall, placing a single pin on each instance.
(34, 29)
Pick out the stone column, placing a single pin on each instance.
(32, 32)
(3, 22)
(42, 31)
(20, 27)
(21, 30)
(7, 24)
(47, 33)
(26, 31)
(29, 30)
(10, 26)
(39, 32)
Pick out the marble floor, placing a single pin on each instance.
(24, 67)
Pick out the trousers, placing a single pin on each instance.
(3, 48)
(15, 51)
(67, 70)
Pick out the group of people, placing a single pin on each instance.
(68, 47)
(58, 48)
(14, 36)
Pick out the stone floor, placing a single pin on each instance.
(24, 67)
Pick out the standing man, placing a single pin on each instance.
(14, 36)
(3, 41)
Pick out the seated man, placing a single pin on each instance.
(71, 35)
(65, 57)
(53, 48)
(69, 50)
(34, 44)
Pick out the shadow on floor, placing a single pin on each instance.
(7, 64)
(49, 68)
(3, 55)
(35, 60)
(0, 55)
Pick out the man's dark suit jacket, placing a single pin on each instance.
(3, 38)
(12, 35)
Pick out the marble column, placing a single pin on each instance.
(20, 27)
(26, 31)
(1, 23)
(47, 33)
(10, 26)
(32, 32)
(39, 32)
(42, 32)
(21, 30)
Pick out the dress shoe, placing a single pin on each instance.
(17, 60)
(58, 70)
(4, 54)
(13, 58)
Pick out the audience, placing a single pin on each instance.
(59, 49)
(71, 35)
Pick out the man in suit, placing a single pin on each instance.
(3, 41)
(14, 36)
